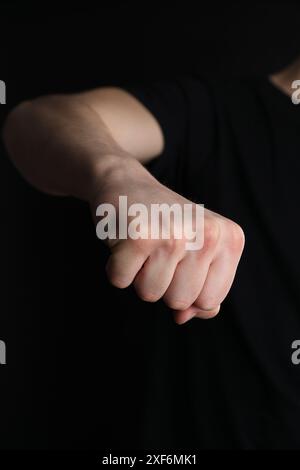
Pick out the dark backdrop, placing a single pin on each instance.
(78, 349)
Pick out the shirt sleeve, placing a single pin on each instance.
(184, 111)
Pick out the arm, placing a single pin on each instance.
(92, 146)
(57, 142)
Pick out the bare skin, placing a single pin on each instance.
(93, 146)
(285, 77)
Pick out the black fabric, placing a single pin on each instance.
(91, 366)
(229, 382)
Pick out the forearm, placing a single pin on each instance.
(62, 146)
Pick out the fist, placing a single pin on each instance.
(192, 283)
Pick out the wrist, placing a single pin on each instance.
(109, 174)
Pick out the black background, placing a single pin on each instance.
(77, 348)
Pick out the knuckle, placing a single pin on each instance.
(236, 237)
(210, 314)
(117, 281)
(172, 245)
(177, 304)
(207, 306)
(115, 277)
(147, 296)
(141, 245)
(211, 233)
(143, 291)
(207, 303)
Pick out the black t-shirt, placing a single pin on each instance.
(230, 382)
(92, 366)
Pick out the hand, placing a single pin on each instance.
(192, 283)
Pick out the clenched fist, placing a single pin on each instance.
(192, 283)
(61, 145)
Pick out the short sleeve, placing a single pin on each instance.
(183, 108)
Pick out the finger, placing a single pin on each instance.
(218, 282)
(155, 276)
(124, 263)
(187, 281)
(183, 316)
